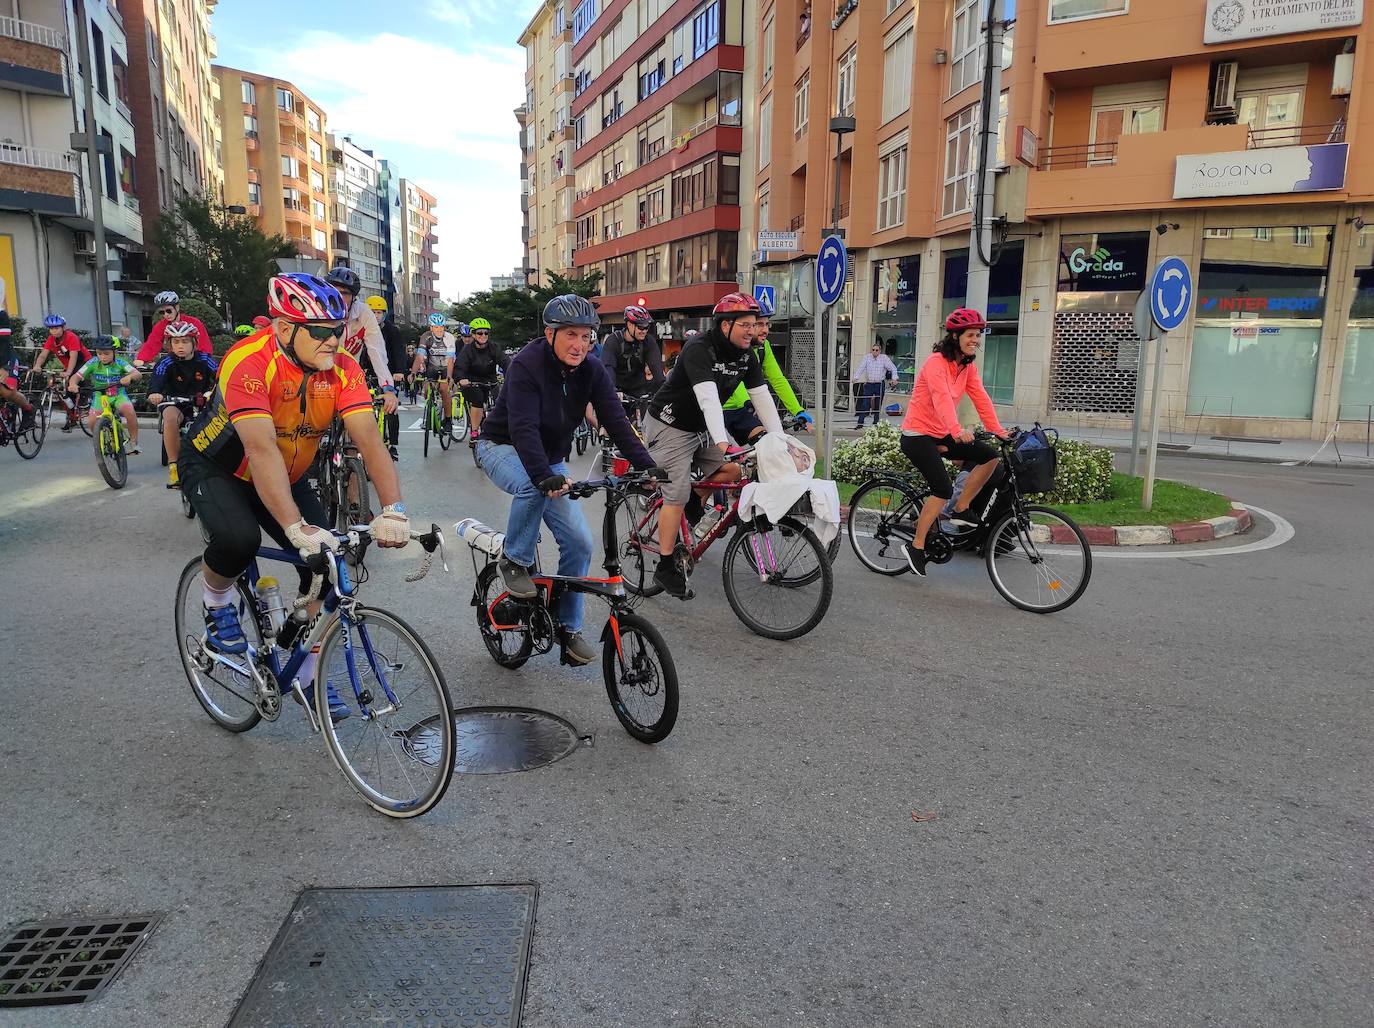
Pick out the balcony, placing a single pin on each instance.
(131, 202)
(43, 181)
(1058, 158)
(797, 223)
(250, 140)
(33, 58)
(1296, 135)
(294, 118)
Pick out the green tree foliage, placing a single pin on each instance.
(198, 308)
(199, 248)
(515, 314)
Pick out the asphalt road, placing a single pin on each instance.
(1151, 809)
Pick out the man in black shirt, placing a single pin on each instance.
(688, 405)
(634, 358)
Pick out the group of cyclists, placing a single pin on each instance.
(253, 421)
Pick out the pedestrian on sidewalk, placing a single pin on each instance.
(872, 375)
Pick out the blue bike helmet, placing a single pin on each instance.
(765, 306)
(570, 311)
(54, 321)
(436, 318)
(345, 278)
(463, 329)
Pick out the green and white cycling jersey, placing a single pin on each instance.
(101, 376)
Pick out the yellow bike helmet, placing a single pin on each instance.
(377, 303)
(479, 325)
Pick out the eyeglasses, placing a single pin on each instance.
(481, 333)
(748, 325)
(166, 310)
(323, 333)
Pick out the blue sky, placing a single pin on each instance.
(430, 84)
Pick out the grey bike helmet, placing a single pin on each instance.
(570, 311)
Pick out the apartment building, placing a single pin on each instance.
(656, 126)
(47, 200)
(275, 163)
(170, 99)
(420, 239)
(390, 234)
(547, 183)
(517, 279)
(353, 181)
(1126, 131)
(528, 247)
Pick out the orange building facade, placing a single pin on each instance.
(1225, 132)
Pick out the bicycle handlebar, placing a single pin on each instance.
(618, 483)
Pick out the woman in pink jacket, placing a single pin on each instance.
(931, 429)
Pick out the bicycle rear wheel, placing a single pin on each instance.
(641, 678)
(399, 757)
(882, 518)
(428, 421)
(444, 437)
(509, 648)
(1038, 559)
(226, 695)
(109, 453)
(791, 596)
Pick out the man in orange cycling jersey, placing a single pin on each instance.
(246, 456)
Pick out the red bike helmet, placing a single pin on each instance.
(261, 322)
(734, 305)
(963, 318)
(638, 316)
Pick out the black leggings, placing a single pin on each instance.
(233, 518)
(924, 452)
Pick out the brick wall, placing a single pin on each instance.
(30, 55)
(24, 179)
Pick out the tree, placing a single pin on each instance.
(200, 248)
(585, 285)
(513, 314)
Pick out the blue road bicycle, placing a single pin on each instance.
(390, 730)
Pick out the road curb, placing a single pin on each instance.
(1183, 533)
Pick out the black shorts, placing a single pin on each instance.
(924, 452)
(232, 515)
(433, 374)
(742, 422)
(479, 394)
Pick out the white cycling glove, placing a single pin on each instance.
(391, 527)
(308, 538)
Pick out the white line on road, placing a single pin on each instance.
(1283, 531)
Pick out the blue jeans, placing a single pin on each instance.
(530, 506)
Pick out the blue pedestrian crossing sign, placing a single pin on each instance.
(1171, 293)
(763, 296)
(832, 268)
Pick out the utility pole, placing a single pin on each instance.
(90, 141)
(985, 181)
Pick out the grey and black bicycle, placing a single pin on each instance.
(1038, 559)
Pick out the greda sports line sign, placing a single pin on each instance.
(1230, 21)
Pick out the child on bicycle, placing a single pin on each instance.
(184, 375)
(108, 371)
(931, 430)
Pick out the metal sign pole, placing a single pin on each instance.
(832, 347)
(1147, 496)
(822, 415)
(1145, 330)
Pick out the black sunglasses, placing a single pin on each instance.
(166, 310)
(481, 332)
(323, 333)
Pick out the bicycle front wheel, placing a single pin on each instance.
(882, 519)
(428, 422)
(636, 542)
(641, 678)
(396, 747)
(1038, 559)
(509, 647)
(30, 440)
(778, 580)
(459, 430)
(109, 454)
(226, 695)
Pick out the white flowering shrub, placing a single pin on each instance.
(1083, 472)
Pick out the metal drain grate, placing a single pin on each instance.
(496, 740)
(453, 955)
(68, 960)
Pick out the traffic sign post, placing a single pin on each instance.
(832, 269)
(1170, 295)
(1145, 330)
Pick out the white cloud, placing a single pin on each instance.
(452, 129)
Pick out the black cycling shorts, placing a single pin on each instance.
(233, 518)
(742, 423)
(478, 394)
(924, 452)
(433, 374)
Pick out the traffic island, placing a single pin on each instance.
(1237, 521)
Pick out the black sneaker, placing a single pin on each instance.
(394, 454)
(671, 578)
(916, 560)
(517, 579)
(576, 649)
(963, 518)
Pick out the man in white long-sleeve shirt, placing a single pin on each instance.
(689, 404)
(871, 374)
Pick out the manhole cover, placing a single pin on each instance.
(69, 960)
(408, 956)
(496, 740)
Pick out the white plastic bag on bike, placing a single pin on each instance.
(785, 475)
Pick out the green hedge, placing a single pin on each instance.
(1084, 473)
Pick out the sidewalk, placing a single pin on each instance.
(1351, 452)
